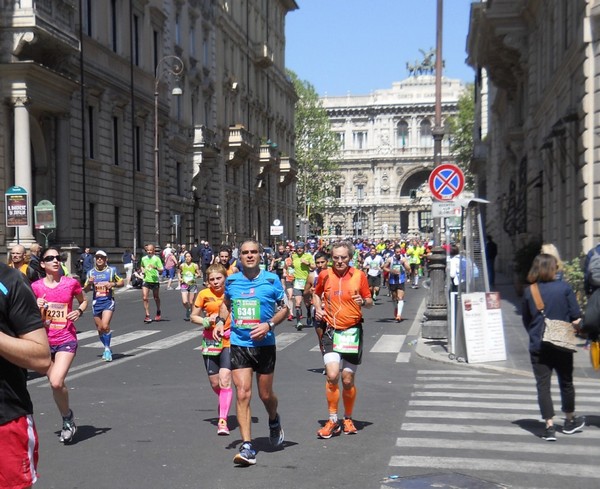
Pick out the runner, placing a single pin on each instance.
(373, 265)
(254, 299)
(101, 280)
(152, 267)
(23, 346)
(322, 262)
(215, 350)
(302, 263)
(187, 273)
(55, 294)
(340, 293)
(224, 258)
(18, 260)
(398, 268)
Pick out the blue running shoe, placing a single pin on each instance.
(247, 455)
(107, 355)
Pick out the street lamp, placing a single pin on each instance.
(175, 69)
(436, 313)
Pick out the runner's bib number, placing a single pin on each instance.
(299, 283)
(211, 347)
(102, 289)
(246, 312)
(346, 341)
(188, 277)
(56, 315)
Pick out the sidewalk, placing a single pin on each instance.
(515, 338)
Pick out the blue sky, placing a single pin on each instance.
(358, 46)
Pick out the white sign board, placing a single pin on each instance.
(483, 327)
(276, 230)
(445, 209)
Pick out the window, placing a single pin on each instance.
(402, 134)
(179, 181)
(193, 38)
(91, 132)
(155, 49)
(426, 134)
(425, 222)
(116, 141)
(136, 40)
(341, 137)
(177, 29)
(137, 148)
(360, 193)
(113, 25)
(360, 140)
(87, 17)
(205, 51)
(338, 191)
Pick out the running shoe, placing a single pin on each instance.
(290, 317)
(69, 428)
(573, 425)
(549, 434)
(247, 455)
(349, 428)
(157, 317)
(222, 428)
(147, 319)
(188, 312)
(107, 355)
(276, 435)
(299, 326)
(399, 318)
(330, 429)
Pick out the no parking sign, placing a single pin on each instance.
(446, 182)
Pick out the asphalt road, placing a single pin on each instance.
(148, 419)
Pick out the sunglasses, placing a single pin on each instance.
(50, 258)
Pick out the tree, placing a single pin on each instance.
(316, 149)
(461, 131)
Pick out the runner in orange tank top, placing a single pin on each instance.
(338, 297)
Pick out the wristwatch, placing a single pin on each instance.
(271, 325)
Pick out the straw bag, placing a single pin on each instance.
(559, 334)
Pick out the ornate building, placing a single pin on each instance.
(386, 158)
(101, 119)
(536, 154)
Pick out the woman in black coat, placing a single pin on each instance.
(559, 303)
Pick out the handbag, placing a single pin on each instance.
(559, 334)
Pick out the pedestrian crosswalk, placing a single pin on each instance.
(487, 425)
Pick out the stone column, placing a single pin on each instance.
(23, 170)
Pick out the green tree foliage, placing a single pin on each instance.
(316, 149)
(460, 127)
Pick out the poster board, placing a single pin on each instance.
(483, 327)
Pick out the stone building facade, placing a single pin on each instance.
(81, 90)
(386, 158)
(536, 156)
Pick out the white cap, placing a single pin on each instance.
(101, 253)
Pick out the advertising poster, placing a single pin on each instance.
(16, 210)
(483, 327)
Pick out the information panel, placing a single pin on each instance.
(483, 327)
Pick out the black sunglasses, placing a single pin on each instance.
(50, 258)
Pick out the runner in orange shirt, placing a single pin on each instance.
(215, 350)
(338, 297)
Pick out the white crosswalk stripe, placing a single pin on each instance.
(484, 424)
(121, 339)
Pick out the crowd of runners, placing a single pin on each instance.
(238, 296)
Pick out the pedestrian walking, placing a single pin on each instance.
(557, 302)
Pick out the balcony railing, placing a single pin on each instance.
(288, 169)
(241, 144)
(263, 55)
(268, 156)
(206, 140)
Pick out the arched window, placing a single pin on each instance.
(426, 135)
(402, 134)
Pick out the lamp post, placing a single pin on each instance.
(176, 69)
(436, 314)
